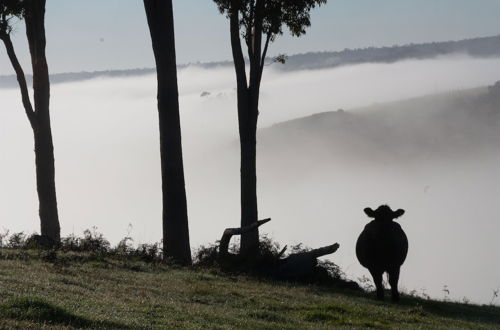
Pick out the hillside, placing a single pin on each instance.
(62, 291)
(478, 47)
(453, 125)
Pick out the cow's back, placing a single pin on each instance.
(382, 245)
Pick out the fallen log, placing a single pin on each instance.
(301, 264)
(295, 266)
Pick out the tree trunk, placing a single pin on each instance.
(44, 148)
(248, 103)
(175, 219)
(247, 117)
(45, 182)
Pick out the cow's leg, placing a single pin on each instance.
(393, 281)
(377, 279)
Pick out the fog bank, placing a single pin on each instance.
(107, 166)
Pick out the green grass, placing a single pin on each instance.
(84, 291)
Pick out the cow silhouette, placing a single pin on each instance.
(382, 247)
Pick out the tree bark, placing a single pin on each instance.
(248, 103)
(21, 79)
(39, 116)
(247, 115)
(175, 218)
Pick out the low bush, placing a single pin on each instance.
(271, 256)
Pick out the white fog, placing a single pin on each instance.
(107, 166)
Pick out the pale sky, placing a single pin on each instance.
(112, 34)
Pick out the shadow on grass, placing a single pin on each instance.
(38, 310)
(483, 314)
(460, 311)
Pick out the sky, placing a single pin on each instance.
(112, 34)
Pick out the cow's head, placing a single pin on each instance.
(384, 213)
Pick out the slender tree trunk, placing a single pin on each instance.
(248, 105)
(45, 181)
(39, 116)
(247, 117)
(175, 219)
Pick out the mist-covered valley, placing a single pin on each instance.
(435, 156)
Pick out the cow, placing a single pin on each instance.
(382, 247)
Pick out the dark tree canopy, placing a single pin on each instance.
(271, 16)
(10, 9)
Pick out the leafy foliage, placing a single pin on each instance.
(17, 240)
(276, 14)
(264, 20)
(92, 242)
(9, 10)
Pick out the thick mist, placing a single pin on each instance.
(313, 182)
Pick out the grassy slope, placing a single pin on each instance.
(80, 291)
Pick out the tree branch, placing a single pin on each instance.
(255, 72)
(249, 41)
(239, 60)
(21, 79)
(264, 53)
(250, 29)
(230, 232)
(303, 263)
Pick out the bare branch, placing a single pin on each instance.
(264, 53)
(230, 232)
(239, 60)
(255, 60)
(21, 79)
(300, 264)
(282, 252)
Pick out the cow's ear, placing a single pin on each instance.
(398, 213)
(369, 212)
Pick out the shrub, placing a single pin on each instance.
(206, 255)
(147, 252)
(270, 257)
(17, 240)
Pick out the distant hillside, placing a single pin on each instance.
(58, 78)
(452, 125)
(478, 47)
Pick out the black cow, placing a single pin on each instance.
(382, 247)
